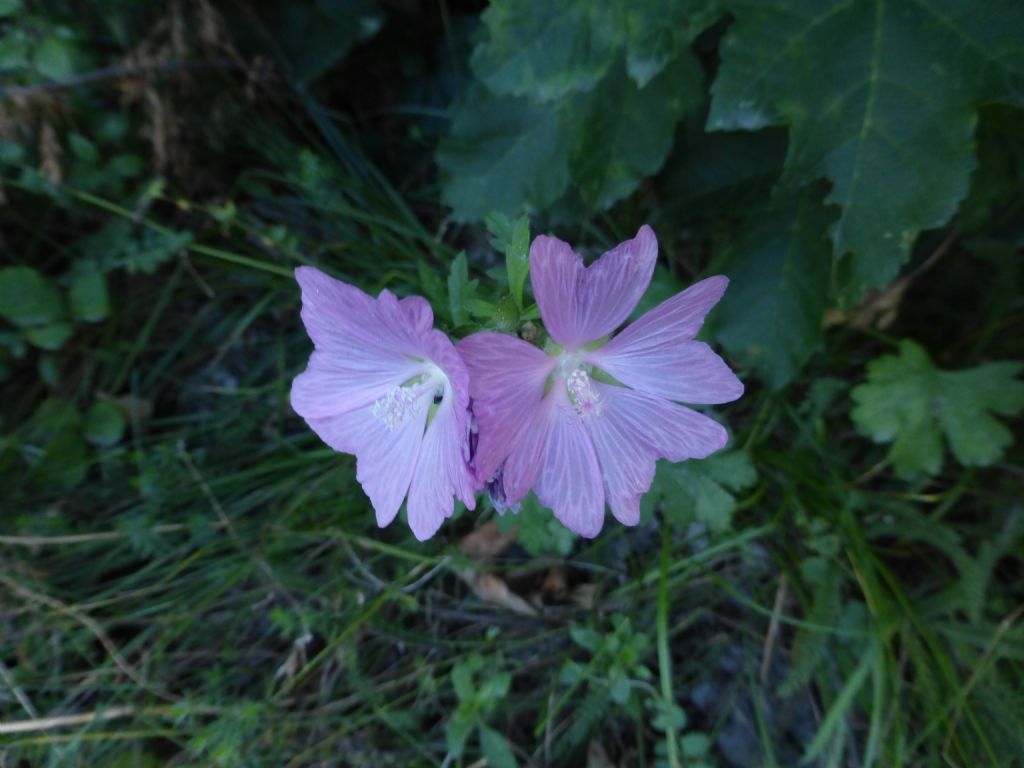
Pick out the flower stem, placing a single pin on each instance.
(664, 663)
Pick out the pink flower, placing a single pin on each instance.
(554, 421)
(384, 385)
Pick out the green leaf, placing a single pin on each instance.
(546, 50)
(462, 681)
(88, 297)
(83, 149)
(503, 154)
(459, 288)
(512, 239)
(63, 463)
(153, 249)
(53, 56)
(456, 731)
(50, 336)
(104, 424)
(9, 7)
(703, 490)
(657, 32)
(881, 98)
(28, 298)
(626, 132)
(771, 315)
(910, 403)
(540, 533)
(496, 749)
(62, 460)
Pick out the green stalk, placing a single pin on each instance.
(664, 663)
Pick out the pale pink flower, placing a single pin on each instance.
(553, 420)
(384, 385)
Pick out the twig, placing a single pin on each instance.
(61, 721)
(113, 73)
(99, 715)
(85, 538)
(773, 628)
(19, 694)
(990, 647)
(93, 626)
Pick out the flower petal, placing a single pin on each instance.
(440, 473)
(581, 304)
(386, 458)
(671, 431)
(612, 285)
(688, 372)
(555, 272)
(333, 384)
(524, 461)
(676, 319)
(570, 477)
(342, 319)
(506, 383)
(632, 431)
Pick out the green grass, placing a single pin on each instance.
(215, 591)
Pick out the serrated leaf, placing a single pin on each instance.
(539, 532)
(512, 239)
(657, 32)
(910, 403)
(104, 424)
(881, 99)
(704, 490)
(496, 749)
(626, 132)
(88, 297)
(503, 154)
(771, 315)
(546, 50)
(28, 298)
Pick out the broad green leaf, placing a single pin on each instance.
(657, 32)
(730, 170)
(50, 336)
(9, 7)
(28, 298)
(104, 424)
(703, 490)
(546, 50)
(910, 403)
(771, 315)
(496, 749)
(626, 132)
(88, 297)
(881, 98)
(503, 154)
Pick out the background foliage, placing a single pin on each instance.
(187, 577)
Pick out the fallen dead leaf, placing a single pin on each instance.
(494, 590)
(486, 542)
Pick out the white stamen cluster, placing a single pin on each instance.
(584, 396)
(393, 409)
